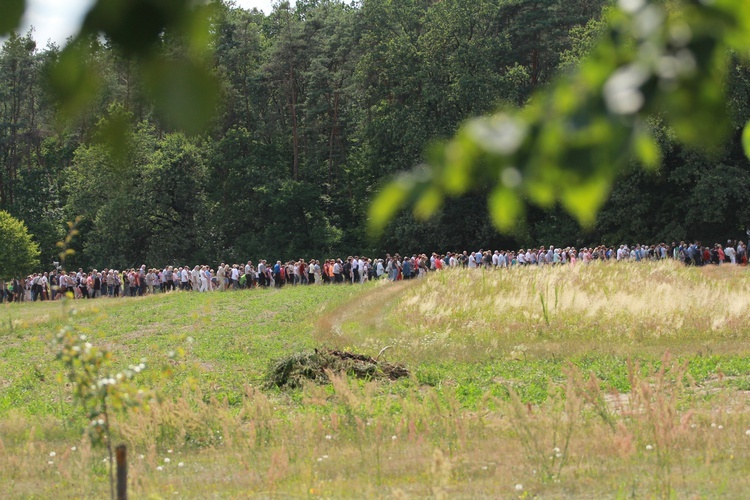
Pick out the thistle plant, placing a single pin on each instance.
(98, 390)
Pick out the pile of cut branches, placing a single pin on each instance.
(294, 370)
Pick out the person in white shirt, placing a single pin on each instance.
(248, 274)
(221, 274)
(195, 278)
(262, 281)
(184, 279)
(337, 270)
(317, 272)
(235, 277)
(204, 279)
(355, 269)
(731, 253)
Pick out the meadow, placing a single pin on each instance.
(607, 380)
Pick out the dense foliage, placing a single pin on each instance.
(319, 105)
(18, 253)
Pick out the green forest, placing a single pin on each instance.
(320, 104)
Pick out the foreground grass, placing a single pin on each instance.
(551, 379)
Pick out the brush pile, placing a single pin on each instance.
(294, 370)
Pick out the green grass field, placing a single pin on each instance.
(598, 381)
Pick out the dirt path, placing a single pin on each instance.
(369, 311)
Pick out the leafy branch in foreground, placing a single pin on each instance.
(665, 59)
(179, 80)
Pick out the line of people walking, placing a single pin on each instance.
(354, 269)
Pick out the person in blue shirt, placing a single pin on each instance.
(406, 269)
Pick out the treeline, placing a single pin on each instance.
(320, 104)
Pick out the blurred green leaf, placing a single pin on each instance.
(428, 203)
(746, 139)
(197, 27)
(459, 158)
(182, 86)
(387, 203)
(184, 91)
(647, 150)
(134, 25)
(114, 133)
(73, 80)
(505, 209)
(11, 12)
(583, 200)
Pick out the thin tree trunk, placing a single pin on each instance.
(334, 133)
(295, 132)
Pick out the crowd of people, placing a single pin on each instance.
(133, 282)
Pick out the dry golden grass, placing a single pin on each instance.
(621, 309)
